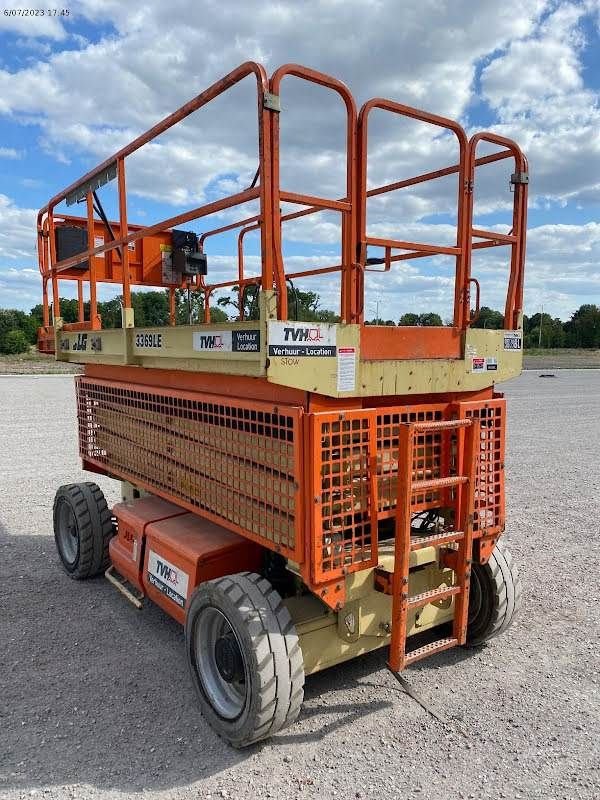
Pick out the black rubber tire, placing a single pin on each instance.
(93, 529)
(495, 596)
(267, 638)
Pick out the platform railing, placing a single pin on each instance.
(269, 220)
(114, 166)
(346, 205)
(465, 234)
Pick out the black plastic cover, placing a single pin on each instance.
(184, 240)
(69, 242)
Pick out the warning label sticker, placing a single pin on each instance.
(167, 578)
(484, 364)
(99, 242)
(313, 339)
(346, 373)
(169, 275)
(513, 340)
(227, 341)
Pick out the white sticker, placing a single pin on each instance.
(346, 374)
(314, 339)
(99, 242)
(491, 364)
(478, 365)
(169, 275)
(513, 340)
(471, 350)
(167, 578)
(215, 341)
(242, 341)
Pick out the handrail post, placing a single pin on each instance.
(94, 321)
(172, 316)
(463, 241)
(514, 297)
(45, 305)
(53, 273)
(127, 313)
(348, 300)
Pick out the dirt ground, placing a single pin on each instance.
(96, 702)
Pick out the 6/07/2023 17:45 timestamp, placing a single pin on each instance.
(36, 12)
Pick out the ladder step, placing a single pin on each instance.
(436, 539)
(441, 425)
(438, 483)
(432, 596)
(429, 649)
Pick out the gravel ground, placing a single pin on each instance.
(561, 359)
(34, 363)
(95, 699)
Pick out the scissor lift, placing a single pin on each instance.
(295, 493)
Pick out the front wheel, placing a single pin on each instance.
(494, 596)
(245, 658)
(82, 529)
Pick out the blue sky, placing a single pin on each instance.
(75, 88)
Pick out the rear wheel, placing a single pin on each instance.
(494, 596)
(244, 657)
(82, 529)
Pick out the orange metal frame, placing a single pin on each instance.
(311, 484)
(353, 462)
(115, 261)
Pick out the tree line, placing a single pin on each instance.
(539, 330)
(18, 329)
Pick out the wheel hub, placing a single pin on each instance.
(229, 659)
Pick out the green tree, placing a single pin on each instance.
(111, 313)
(14, 319)
(583, 329)
(14, 341)
(552, 332)
(217, 315)
(427, 320)
(409, 319)
(196, 302)
(490, 319)
(302, 306)
(430, 320)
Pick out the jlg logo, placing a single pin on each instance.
(302, 334)
(81, 343)
(166, 572)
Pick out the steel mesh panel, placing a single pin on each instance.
(344, 516)
(488, 511)
(235, 461)
(354, 443)
(428, 463)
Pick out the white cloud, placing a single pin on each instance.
(17, 231)
(14, 20)
(537, 90)
(89, 98)
(10, 152)
(90, 101)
